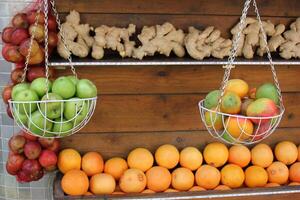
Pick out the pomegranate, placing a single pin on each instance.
(32, 150)
(32, 169)
(16, 143)
(22, 177)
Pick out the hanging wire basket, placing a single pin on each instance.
(37, 117)
(218, 123)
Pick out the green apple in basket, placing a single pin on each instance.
(20, 118)
(18, 88)
(26, 95)
(62, 126)
(64, 87)
(40, 87)
(37, 124)
(86, 89)
(74, 79)
(76, 110)
(54, 109)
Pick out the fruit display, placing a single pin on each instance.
(52, 109)
(243, 115)
(30, 157)
(217, 167)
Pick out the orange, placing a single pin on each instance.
(197, 188)
(191, 158)
(92, 163)
(286, 152)
(294, 183)
(207, 177)
(148, 191)
(167, 156)
(238, 86)
(133, 181)
(102, 184)
(88, 194)
(118, 193)
(215, 154)
(75, 182)
(239, 128)
(232, 176)
(222, 187)
(278, 173)
(239, 155)
(68, 159)
(294, 174)
(214, 120)
(171, 190)
(140, 158)
(158, 178)
(115, 167)
(231, 103)
(262, 155)
(256, 176)
(298, 159)
(182, 179)
(272, 185)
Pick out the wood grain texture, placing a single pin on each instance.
(180, 79)
(188, 7)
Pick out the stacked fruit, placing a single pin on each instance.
(240, 101)
(30, 156)
(222, 169)
(52, 114)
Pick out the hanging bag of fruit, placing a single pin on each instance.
(47, 109)
(228, 114)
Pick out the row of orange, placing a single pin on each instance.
(221, 169)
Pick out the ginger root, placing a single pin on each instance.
(201, 44)
(77, 37)
(291, 47)
(160, 38)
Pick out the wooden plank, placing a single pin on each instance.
(130, 113)
(119, 144)
(203, 7)
(179, 79)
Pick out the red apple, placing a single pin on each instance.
(28, 136)
(22, 177)
(46, 142)
(6, 34)
(52, 25)
(38, 32)
(32, 169)
(9, 113)
(11, 54)
(48, 160)
(55, 146)
(39, 71)
(18, 35)
(31, 16)
(20, 21)
(25, 45)
(6, 93)
(32, 150)
(16, 143)
(14, 163)
(19, 65)
(52, 39)
(16, 76)
(38, 58)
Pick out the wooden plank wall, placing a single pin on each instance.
(151, 105)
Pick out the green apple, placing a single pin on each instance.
(19, 87)
(39, 86)
(74, 79)
(76, 110)
(20, 118)
(62, 126)
(64, 87)
(37, 123)
(52, 109)
(26, 95)
(86, 89)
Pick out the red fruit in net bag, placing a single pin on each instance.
(32, 169)
(28, 136)
(46, 142)
(22, 177)
(16, 76)
(48, 160)
(14, 163)
(6, 34)
(32, 150)
(55, 146)
(20, 20)
(16, 143)
(19, 35)
(6, 93)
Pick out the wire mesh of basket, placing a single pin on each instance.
(49, 117)
(245, 129)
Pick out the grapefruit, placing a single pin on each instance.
(133, 181)
(239, 155)
(286, 152)
(237, 86)
(278, 172)
(140, 158)
(158, 178)
(182, 179)
(102, 184)
(215, 154)
(256, 176)
(231, 103)
(116, 167)
(232, 176)
(191, 158)
(262, 155)
(207, 177)
(92, 163)
(167, 156)
(68, 159)
(268, 90)
(75, 182)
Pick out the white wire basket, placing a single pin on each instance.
(239, 129)
(36, 117)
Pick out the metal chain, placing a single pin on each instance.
(31, 42)
(268, 54)
(62, 36)
(46, 45)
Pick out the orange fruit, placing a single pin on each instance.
(286, 152)
(238, 86)
(167, 156)
(118, 193)
(92, 163)
(294, 174)
(158, 178)
(148, 191)
(215, 154)
(75, 182)
(140, 158)
(298, 159)
(213, 120)
(197, 188)
(133, 181)
(239, 155)
(256, 176)
(231, 103)
(182, 179)
(88, 194)
(262, 155)
(232, 176)
(278, 173)
(115, 167)
(207, 177)
(294, 183)
(239, 128)
(272, 185)
(68, 159)
(191, 158)
(222, 187)
(170, 190)
(102, 184)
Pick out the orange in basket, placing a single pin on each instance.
(92, 163)
(75, 182)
